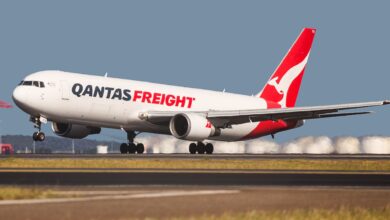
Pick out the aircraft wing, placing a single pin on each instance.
(226, 118)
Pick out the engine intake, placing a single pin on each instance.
(73, 130)
(192, 127)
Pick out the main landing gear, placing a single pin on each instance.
(39, 135)
(131, 147)
(201, 148)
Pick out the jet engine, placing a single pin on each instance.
(73, 130)
(192, 127)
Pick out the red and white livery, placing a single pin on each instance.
(79, 105)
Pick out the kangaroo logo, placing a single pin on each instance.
(286, 80)
(208, 124)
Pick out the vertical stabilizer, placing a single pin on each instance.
(282, 88)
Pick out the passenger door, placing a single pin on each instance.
(65, 90)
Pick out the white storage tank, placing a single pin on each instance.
(102, 149)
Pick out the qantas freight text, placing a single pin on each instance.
(139, 95)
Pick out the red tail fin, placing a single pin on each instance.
(282, 88)
(4, 105)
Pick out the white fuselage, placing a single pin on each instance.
(116, 103)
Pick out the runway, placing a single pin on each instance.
(150, 177)
(128, 202)
(213, 156)
(122, 193)
(199, 177)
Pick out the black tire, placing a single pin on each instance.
(131, 148)
(123, 148)
(35, 136)
(209, 148)
(201, 148)
(140, 148)
(41, 136)
(192, 148)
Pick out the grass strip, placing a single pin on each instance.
(203, 163)
(13, 193)
(342, 213)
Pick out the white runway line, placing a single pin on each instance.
(118, 197)
(98, 192)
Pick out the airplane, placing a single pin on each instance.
(5, 105)
(79, 105)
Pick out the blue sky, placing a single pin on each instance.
(207, 44)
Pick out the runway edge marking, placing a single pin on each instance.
(119, 197)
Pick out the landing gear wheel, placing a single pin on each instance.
(123, 148)
(140, 148)
(35, 136)
(209, 148)
(192, 148)
(201, 148)
(131, 148)
(39, 136)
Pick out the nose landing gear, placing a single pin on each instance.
(131, 147)
(39, 135)
(201, 148)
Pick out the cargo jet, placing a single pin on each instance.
(79, 105)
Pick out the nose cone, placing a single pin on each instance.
(19, 96)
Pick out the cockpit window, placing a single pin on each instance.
(27, 83)
(38, 84)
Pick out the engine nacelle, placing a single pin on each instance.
(73, 130)
(192, 127)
